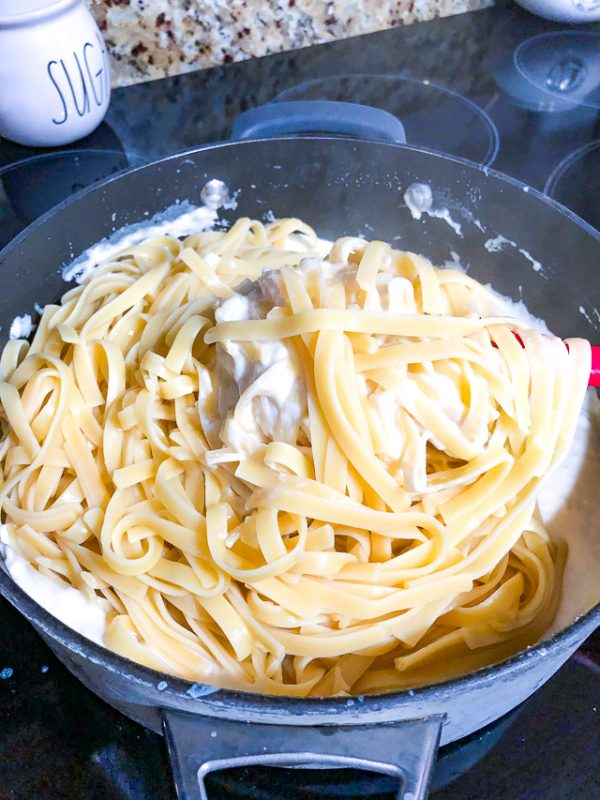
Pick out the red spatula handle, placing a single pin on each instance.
(595, 370)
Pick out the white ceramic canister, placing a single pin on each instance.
(54, 72)
(564, 10)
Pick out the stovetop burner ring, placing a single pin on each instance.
(563, 65)
(34, 184)
(52, 155)
(580, 168)
(418, 104)
(563, 166)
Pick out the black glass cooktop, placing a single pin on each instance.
(499, 87)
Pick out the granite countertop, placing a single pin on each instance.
(150, 39)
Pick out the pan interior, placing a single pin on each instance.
(344, 188)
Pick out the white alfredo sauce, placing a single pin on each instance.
(268, 399)
(64, 602)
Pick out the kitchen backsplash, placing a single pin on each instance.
(150, 39)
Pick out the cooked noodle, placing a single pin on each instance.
(322, 483)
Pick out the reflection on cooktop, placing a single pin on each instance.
(433, 117)
(564, 66)
(33, 185)
(551, 72)
(575, 182)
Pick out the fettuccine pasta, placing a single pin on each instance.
(287, 473)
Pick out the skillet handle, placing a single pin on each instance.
(198, 745)
(319, 116)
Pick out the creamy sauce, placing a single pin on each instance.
(500, 242)
(505, 306)
(260, 395)
(271, 399)
(268, 400)
(419, 200)
(496, 244)
(66, 603)
(518, 310)
(21, 327)
(178, 220)
(568, 504)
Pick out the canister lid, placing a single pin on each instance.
(11, 9)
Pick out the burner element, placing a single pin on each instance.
(433, 117)
(567, 75)
(564, 66)
(30, 187)
(579, 169)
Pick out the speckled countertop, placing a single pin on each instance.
(154, 38)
